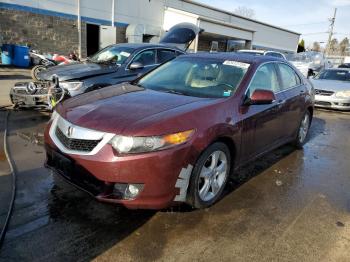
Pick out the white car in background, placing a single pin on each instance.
(332, 88)
(309, 63)
(262, 52)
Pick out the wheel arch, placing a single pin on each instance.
(231, 146)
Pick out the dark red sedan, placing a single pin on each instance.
(177, 133)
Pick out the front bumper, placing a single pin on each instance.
(332, 102)
(21, 98)
(97, 174)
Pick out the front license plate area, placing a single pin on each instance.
(62, 164)
(29, 100)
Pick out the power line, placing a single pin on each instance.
(318, 23)
(317, 33)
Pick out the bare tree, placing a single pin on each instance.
(344, 46)
(316, 47)
(245, 11)
(334, 47)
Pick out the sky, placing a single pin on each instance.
(310, 18)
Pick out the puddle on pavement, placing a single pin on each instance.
(36, 138)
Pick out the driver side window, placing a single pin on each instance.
(265, 78)
(146, 58)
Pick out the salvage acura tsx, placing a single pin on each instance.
(177, 133)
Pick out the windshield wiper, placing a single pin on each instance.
(172, 91)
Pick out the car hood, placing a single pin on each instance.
(76, 71)
(114, 108)
(330, 85)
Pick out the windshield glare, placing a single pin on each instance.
(200, 77)
(113, 54)
(340, 75)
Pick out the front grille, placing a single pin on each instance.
(21, 91)
(76, 144)
(323, 92)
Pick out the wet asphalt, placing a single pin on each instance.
(287, 206)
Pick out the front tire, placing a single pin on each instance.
(303, 130)
(209, 176)
(36, 70)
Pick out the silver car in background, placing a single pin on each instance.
(332, 88)
(309, 63)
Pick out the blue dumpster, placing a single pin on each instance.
(7, 54)
(21, 56)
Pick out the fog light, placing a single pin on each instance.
(133, 190)
(127, 191)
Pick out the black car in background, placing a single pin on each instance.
(112, 65)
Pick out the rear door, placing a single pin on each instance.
(294, 92)
(164, 55)
(262, 124)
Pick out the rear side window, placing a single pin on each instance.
(288, 76)
(147, 57)
(165, 55)
(265, 78)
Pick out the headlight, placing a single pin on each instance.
(132, 145)
(343, 94)
(71, 85)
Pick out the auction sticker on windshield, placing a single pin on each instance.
(125, 54)
(236, 64)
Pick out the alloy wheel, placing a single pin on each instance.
(212, 175)
(304, 128)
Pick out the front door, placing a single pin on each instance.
(262, 124)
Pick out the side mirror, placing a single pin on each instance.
(261, 97)
(135, 66)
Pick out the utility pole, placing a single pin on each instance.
(79, 30)
(113, 8)
(331, 28)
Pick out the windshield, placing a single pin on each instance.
(113, 54)
(196, 77)
(340, 75)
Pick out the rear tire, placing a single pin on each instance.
(209, 176)
(303, 130)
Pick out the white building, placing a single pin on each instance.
(104, 22)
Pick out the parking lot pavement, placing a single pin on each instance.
(287, 206)
(8, 77)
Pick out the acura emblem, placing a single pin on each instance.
(69, 131)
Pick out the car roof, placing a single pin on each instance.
(251, 51)
(338, 69)
(138, 46)
(234, 56)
